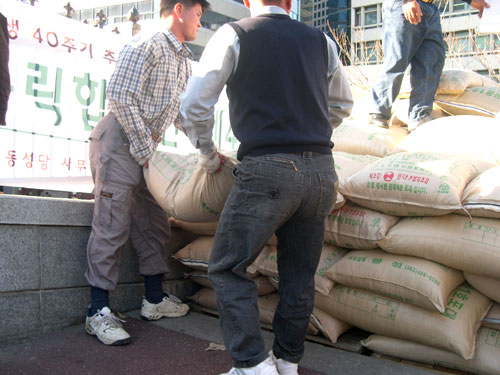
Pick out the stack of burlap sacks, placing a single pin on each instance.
(412, 251)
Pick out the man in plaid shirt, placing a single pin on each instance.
(143, 95)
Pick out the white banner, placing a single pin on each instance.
(59, 70)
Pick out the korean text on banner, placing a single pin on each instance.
(59, 71)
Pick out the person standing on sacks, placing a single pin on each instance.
(143, 95)
(287, 90)
(411, 36)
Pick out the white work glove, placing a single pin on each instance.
(142, 161)
(212, 162)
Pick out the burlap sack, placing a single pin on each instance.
(357, 227)
(264, 286)
(411, 280)
(481, 197)
(413, 183)
(185, 190)
(400, 109)
(345, 166)
(275, 281)
(454, 331)
(488, 286)
(267, 306)
(340, 201)
(328, 325)
(196, 255)
(478, 101)
(452, 82)
(363, 139)
(486, 360)
(400, 115)
(454, 240)
(348, 164)
(206, 229)
(492, 320)
(400, 112)
(456, 81)
(472, 137)
(267, 264)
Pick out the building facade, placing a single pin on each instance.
(114, 14)
(327, 15)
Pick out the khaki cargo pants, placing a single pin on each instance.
(123, 207)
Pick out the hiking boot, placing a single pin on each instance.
(266, 367)
(379, 120)
(107, 327)
(284, 367)
(170, 307)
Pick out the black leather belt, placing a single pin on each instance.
(307, 154)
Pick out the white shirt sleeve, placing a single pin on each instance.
(340, 100)
(217, 65)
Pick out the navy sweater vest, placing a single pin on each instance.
(278, 95)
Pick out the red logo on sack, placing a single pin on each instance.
(388, 176)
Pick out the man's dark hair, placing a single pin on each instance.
(168, 5)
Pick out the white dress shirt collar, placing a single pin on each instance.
(273, 9)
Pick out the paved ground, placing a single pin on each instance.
(169, 347)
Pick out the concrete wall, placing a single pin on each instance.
(42, 264)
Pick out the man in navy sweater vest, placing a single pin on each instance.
(287, 90)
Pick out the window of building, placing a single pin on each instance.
(119, 12)
(114, 11)
(366, 52)
(87, 14)
(145, 6)
(127, 7)
(212, 20)
(460, 42)
(371, 15)
(482, 42)
(357, 17)
(459, 6)
(495, 42)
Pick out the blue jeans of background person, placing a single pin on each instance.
(290, 194)
(419, 46)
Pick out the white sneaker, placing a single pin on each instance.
(107, 327)
(284, 367)
(170, 307)
(266, 367)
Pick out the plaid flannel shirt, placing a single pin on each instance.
(143, 92)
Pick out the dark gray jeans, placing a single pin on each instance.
(290, 195)
(123, 207)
